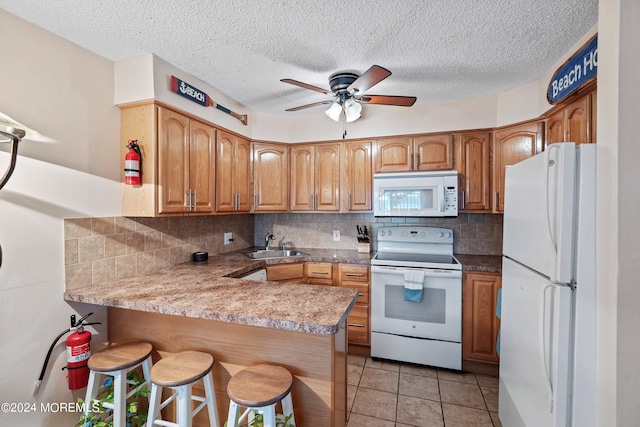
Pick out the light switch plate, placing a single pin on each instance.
(228, 238)
(336, 235)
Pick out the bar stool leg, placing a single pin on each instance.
(269, 415)
(287, 408)
(154, 405)
(210, 395)
(234, 414)
(92, 391)
(184, 405)
(119, 398)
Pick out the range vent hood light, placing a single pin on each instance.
(12, 132)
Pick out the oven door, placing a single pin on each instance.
(438, 316)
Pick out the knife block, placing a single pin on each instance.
(364, 248)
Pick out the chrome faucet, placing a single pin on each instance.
(267, 240)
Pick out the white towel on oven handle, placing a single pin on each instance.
(413, 285)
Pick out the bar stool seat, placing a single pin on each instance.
(117, 361)
(179, 371)
(258, 389)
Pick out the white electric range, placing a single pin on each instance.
(429, 331)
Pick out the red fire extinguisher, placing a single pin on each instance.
(78, 352)
(133, 164)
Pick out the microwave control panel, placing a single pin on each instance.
(451, 199)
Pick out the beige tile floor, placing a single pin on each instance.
(389, 394)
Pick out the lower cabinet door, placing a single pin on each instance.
(358, 325)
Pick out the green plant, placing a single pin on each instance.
(136, 417)
(281, 421)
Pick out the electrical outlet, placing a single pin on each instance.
(228, 238)
(336, 235)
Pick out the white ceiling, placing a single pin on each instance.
(436, 49)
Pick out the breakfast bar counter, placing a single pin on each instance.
(203, 306)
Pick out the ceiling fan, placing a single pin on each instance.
(349, 89)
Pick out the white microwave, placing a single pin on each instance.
(415, 194)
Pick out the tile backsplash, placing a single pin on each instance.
(101, 250)
(473, 233)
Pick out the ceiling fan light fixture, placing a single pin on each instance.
(334, 111)
(352, 110)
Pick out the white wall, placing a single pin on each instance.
(618, 228)
(66, 94)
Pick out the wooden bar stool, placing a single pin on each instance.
(117, 361)
(179, 371)
(258, 389)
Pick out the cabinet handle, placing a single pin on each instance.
(357, 325)
(417, 161)
(411, 162)
(495, 200)
(189, 202)
(255, 202)
(195, 200)
(463, 204)
(354, 274)
(319, 272)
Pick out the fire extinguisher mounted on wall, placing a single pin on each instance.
(78, 353)
(133, 164)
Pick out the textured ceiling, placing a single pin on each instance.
(436, 49)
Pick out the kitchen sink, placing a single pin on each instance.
(263, 253)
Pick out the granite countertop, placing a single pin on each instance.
(481, 263)
(211, 290)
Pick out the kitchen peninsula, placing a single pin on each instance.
(203, 306)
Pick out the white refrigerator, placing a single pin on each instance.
(548, 316)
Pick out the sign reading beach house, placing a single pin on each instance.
(578, 70)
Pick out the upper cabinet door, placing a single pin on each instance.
(302, 177)
(327, 185)
(270, 177)
(510, 146)
(394, 155)
(473, 165)
(359, 184)
(433, 152)
(233, 172)
(173, 162)
(201, 166)
(571, 123)
(225, 195)
(242, 175)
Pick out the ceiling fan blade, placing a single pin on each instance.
(401, 101)
(315, 104)
(307, 86)
(370, 78)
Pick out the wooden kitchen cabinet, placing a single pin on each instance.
(315, 177)
(178, 162)
(233, 173)
(473, 152)
(185, 164)
(293, 272)
(480, 325)
(512, 145)
(319, 273)
(358, 322)
(270, 177)
(421, 153)
(358, 187)
(572, 123)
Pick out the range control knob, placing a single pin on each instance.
(441, 234)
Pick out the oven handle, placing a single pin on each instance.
(428, 272)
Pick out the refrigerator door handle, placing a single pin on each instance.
(550, 162)
(543, 346)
